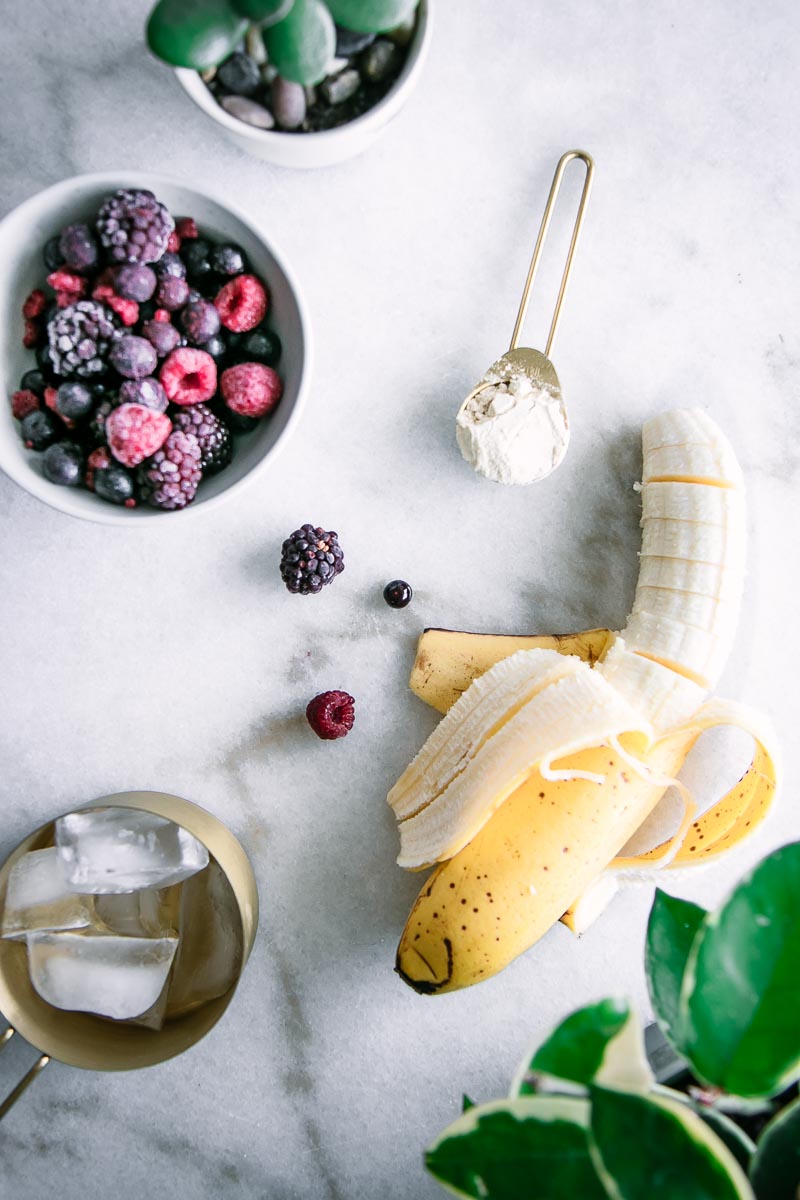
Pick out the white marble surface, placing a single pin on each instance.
(172, 658)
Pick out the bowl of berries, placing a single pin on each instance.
(155, 348)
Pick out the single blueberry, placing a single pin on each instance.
(135, 282)
(53, 258)
(200, 321)
(170, 264)
(63, 464)
(33, 381)
(260, 345)
(74, 400)
(40, 429)
(228, 260)
(115, 484)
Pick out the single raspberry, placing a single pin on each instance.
(161, 314)
(170, 479)
(51, 400)
(186, 228)
(34, 305)
(174, 243)
(331, 715)
(80, 337)
(251, 389)
(32, 335)
(126, 310)
(134, 227)
(66, 282)
(135, 432)
(311, 558)
(99, 460)
(214, 436)
(23, 402)
(242, 303)
(188, 376)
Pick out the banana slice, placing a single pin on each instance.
(704, 612)
(681, 427)
(697, 578)
(694, 541)
(695, 464)
(668, 699)
(693, 502)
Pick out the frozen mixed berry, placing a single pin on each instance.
(251, 389)
(242, 303)
(80, 338)
(240, 424)
(170, 264)
(53, 258)
(63, 464)
(199, 320)
(216, 346)
(33, 381)
(148, 392)
(97, 424)
(171, 477)
(134, 282)
(239, 74)
(115, 484)
(310, 558)
(162, 335)
(186, 227)
(40, 429)
(189, 376)
(32, 334)
(34, 305)
(213, 436)
(398, 593)
(99, 460)
(133, 357)
(227, 259)
(331, 715)
(73, 400)
(78, 248)
(260, 345)
(196, 258)
(23, 402)
(172, 292)
(135, 433)
(134, 226)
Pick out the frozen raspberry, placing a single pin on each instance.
(162, 335)
(34, 305)
(186, 228)
(68, 283)
(169, 480)
(148, 392)
(174, 243)
(189, 376)
(134, 282)
(99, 460)
(23, 402)
(78, 248)
(126, 310)
(134, 227)
(32, 335)
(51, 400)
(135, 432)
(331, 715)
(161, 314)
(242, 303)
(251, 389)
(133, 357)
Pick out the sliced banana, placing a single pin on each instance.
(692, 502)
(668, 698)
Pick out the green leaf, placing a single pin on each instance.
(539, 1143)
(741, 986)
(302, 45)
(371, 16)
(194, 33)
(466, 1103)
(671, 931)
(261, 10)
(653, 1148)
(575, 1050)
(734, 1137)
(775, 1170)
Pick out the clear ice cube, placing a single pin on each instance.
(152, 912)
(107, 850)
(209, 956)
(38, 897)
(119, 977)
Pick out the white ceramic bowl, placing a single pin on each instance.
(23, 234)
(330, 145)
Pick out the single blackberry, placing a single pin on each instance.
(80, 337)
(310, 559)
(169, 479)
(213, 435)
(134, 227)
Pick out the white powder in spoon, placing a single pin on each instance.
(512, 431)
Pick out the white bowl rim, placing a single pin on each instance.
(107, 514)
(196, 89)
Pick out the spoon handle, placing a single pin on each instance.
(563, 162)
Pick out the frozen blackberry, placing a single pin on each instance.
(311, 558)
(80, 337)
(134, 226)
(213, 436)
(169, 479)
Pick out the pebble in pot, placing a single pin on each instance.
(288, 103)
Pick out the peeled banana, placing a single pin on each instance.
(539, 774)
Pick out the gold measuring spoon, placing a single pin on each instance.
(513, 427)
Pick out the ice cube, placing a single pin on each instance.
(38, 897)
(108, 850)
(152, 912)
(118, 977)
(209, 956)
(155, 1015)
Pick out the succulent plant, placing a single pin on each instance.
(300, 35)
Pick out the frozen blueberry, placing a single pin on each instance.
(33, 381)
(135, 282)
(172, 293)
(196, 254)
(162, 335)
(63, 464)
(260, 345)
(216, 346)
(74, 400)
(147, 310)
(199, 321)
(44, 360)
(240, 74)
(148, 392)
(40, 429)
(239, 423)
(133, 357)
(170, 264)
(53, 258)
(228, 259)
(115, 484)
(78, 248)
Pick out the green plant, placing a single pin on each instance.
(586, 1118)
(300, 35)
